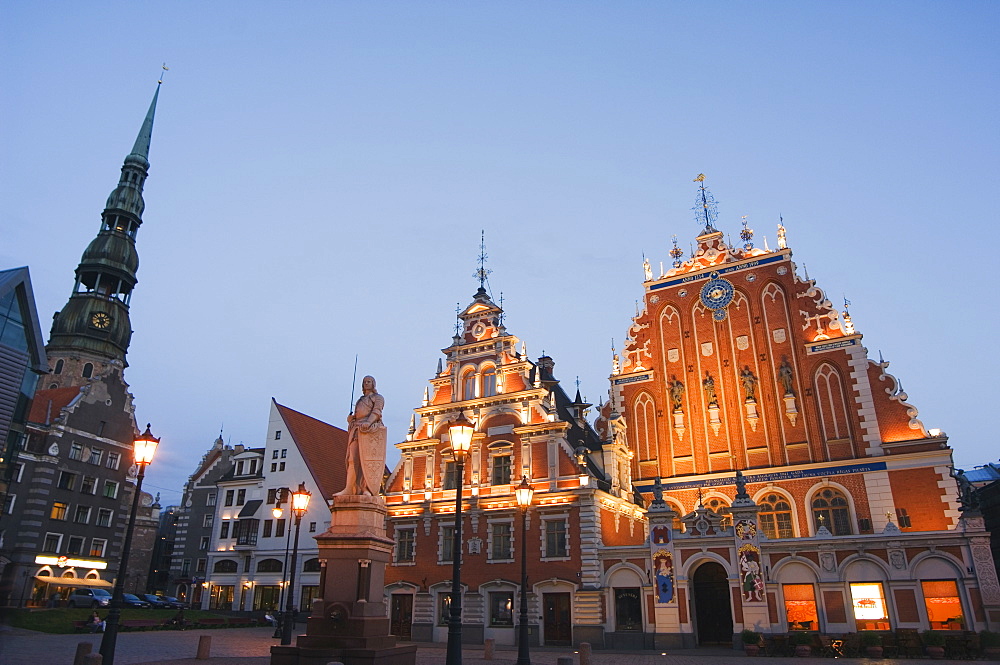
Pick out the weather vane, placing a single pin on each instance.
(483, 273)
(166, 69)
(746, 235)
(705, 207)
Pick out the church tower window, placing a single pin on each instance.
(88, 370)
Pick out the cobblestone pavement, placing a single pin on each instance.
(250, 646)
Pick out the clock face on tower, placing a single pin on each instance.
(100, 320)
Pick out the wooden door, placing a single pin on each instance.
(401, 615)
(556, 615)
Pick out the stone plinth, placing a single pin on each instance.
(349, 621)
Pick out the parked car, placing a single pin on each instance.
(173, 603)
(131, 600)
(154, 601)
(88, 597)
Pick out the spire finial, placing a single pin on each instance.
(160, 80)
(501, 310)
(482, 273)
(781, 232)
(747, 235)
(676, 252)
(458, 319)
(848, 323)
(705, 207)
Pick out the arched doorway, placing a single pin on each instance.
(712, 604)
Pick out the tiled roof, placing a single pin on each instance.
(323, 447)
(46, 405)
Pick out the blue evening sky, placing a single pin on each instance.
(321, 173)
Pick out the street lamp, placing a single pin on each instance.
(283, 493)
(143, 447)
(523, 493)
(460, 432)
(300, 502)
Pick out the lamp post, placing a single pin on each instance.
(300, 502)
(144, 446)
(460, 432)
(283, 494)
(523, 493)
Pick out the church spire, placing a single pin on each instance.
(94, 324)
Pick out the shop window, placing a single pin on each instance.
(501, 608)
(222, 596)
(831, 509)
(500, 470)
(868, 603)
(628, 610)
(444, 608)
(800, 606)
(775, 516)
(308, 593)
(944, 608)
(489, 382)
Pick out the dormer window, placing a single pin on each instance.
(239, 468)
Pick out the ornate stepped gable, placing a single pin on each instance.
(736, 361)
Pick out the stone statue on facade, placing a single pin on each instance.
(749, 382)
(676, 393)
(709, 386)
(366, 439)
(785, 376)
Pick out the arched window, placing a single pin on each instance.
(269, 566)
(831, 509)
(59, 366)
(88, 370)
(775, 516)
(469, 385)
(224, 566)
(311, 566)
(720, 507)
(645, 430)
(489, 382)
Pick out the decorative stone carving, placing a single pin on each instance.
(828, 561)
(898, 559)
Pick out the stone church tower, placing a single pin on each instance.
(73, 487)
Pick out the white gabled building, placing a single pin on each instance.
(249, 558)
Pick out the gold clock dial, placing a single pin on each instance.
(100, 320)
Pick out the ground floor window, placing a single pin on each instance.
(308, 595)
(444, 608)
(266, 597)
(800, 606)
(501, 608)
(868, 602)
(222, 597)
(944, 608)
(628, 610)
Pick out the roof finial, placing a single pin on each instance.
(848, 323)
(676, 252)
(482, 273)
(705, 207)
(166, 69)
(747, 235)
(781, 232)
(458, 319)
(501, 310)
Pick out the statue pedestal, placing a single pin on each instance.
(349, 622)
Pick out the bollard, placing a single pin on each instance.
(204, 647)
(82, 649)
(488, 646)
(586, 654)
(93, 659)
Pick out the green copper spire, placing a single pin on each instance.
(95, 321)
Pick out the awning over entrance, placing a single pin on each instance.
(73, 581)
(250, 508)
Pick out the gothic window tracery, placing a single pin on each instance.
(831, 509)
(775, 516)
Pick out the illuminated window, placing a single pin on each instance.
(868, 602)
(501, 608)
(97, 547)
(59, 510)
(944, 608)
(444, 608)
(800, 606)
(775, 516)
(830, 509)
(489, 382)
(469, 385)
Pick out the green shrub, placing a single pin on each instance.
(933, 638)
(871, 639)
(750, 636)
(799, 638)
